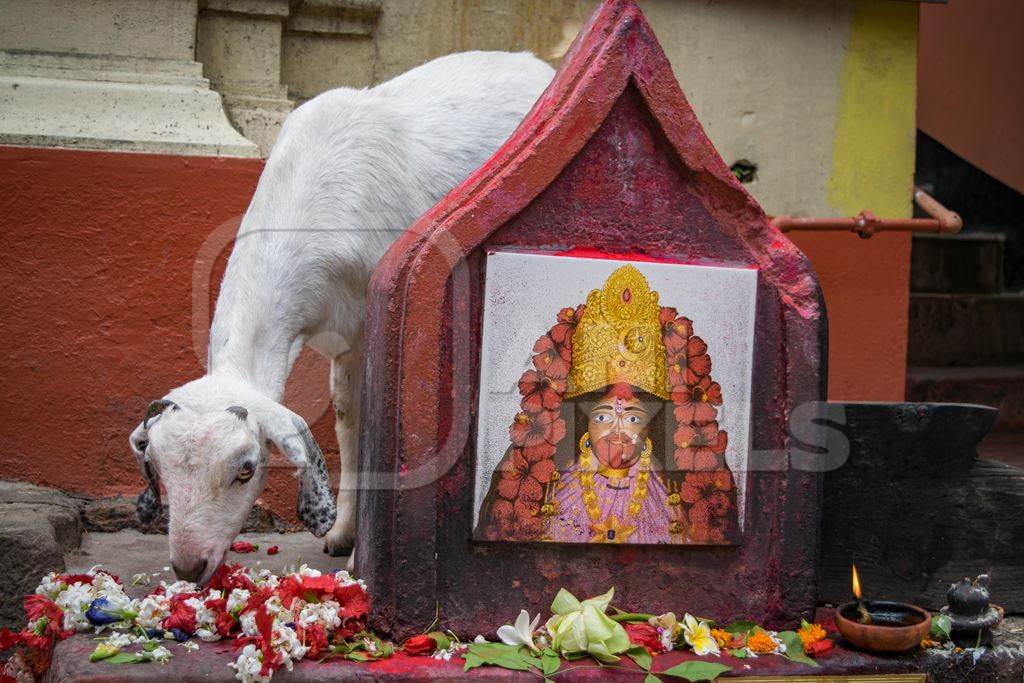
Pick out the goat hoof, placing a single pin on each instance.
(339, 551)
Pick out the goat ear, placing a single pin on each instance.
(290, 433)
(148, 506)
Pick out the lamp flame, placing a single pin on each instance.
(856, 583)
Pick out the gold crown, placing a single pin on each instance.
(618, 338)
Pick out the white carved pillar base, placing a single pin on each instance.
(109, 74)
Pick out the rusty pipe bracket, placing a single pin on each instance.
(866, 224)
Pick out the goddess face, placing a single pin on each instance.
(618, 425)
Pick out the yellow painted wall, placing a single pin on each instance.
(866, 282)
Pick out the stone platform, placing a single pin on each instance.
(1004, 662)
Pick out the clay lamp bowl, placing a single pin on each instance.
(889, 626)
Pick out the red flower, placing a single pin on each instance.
(695, 404)
(646, 635)
(314, 637)
(549, 360)
(540, 392)
(225, 623)
(308, 588)
(539, 452)
(675, 334)
(229, 576)
(182, 615)
(503, 512)
(354, 601)
(420, 645)
(542, 471)
(710, 495)
(508, 487)
(244, 547)
(37, 606)
(8, 638)
(701, 447)
(273, 550)
(530, 430)
(819, 648)
(72, 579)
(698, 362)
(696, 436)
(701, 485)
(265, 627)
(258, 596)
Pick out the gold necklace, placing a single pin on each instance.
(587, 472)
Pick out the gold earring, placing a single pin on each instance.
(585, 442)
(647, 446)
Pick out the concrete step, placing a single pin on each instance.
(1001, 387)
(967, 262)
(130, 552)
(966, 329)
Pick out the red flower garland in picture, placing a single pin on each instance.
(707, 491)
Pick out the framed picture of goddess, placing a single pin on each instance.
(614, 401)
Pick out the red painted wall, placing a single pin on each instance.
(97, 272)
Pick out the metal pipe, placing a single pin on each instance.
(867, 224)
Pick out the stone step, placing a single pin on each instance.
(966, 329)
(1001, 387)
(969, 262)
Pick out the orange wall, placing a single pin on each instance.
(866, 285)
(97, 273)
(96, 270)
(970, 89)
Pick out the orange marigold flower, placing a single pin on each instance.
(810, 634)
(761, 643)
(722, 637)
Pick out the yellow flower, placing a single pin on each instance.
(810, 634)
(761, 643)
(697, 635)
(722, 637)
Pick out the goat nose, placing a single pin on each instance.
(189, 573)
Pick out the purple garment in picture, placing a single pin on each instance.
(572, 524)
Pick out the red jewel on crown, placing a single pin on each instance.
(626, 296)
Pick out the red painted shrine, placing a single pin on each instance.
(611, 162)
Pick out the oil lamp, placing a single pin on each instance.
(881, 625)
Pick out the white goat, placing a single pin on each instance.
(350, 171)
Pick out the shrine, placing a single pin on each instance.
(583, 369)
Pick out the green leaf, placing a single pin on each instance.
(125, 658)
(941, 626)
(740, 627)
(550, 661)
(443, 641)
(651, 678)
(103, 651)
(359, 656)
(496, 654)
(795, 648)
(640, 655)
(738, 653)
(697, 671)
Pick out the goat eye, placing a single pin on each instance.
(141, 444)
(246, 471)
